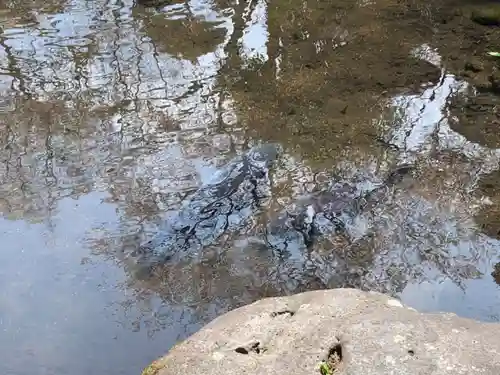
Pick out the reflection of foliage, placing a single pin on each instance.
(254, 62)
(496, 273)
(423, 236)
(488, 219)
(25, 7)
(187, 38)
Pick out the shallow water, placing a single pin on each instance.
(112, 114)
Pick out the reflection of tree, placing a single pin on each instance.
(74, 146)
(427, 234)
(32, 158)
(55, 149)
(13, 68)
(22, 8)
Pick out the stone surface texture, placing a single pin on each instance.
(373, 333)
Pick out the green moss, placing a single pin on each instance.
(155, 367)
(325, 369)
(487, 15)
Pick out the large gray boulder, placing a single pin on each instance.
(353, 332)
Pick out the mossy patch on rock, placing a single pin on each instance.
(155, 367)
(334, 358)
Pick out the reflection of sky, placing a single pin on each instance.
(255, 35)
(447, 296)
(59, 316)
(421, 116)
(421, 122)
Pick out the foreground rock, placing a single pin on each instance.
(353, 332)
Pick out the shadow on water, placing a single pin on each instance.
(113, 115)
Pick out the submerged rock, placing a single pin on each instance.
(329, 211)
(223, 204)
(487, 15)
(339, 331)
(155, 3)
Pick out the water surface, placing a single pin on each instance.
(113, 113)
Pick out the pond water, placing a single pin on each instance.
(113, 114)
